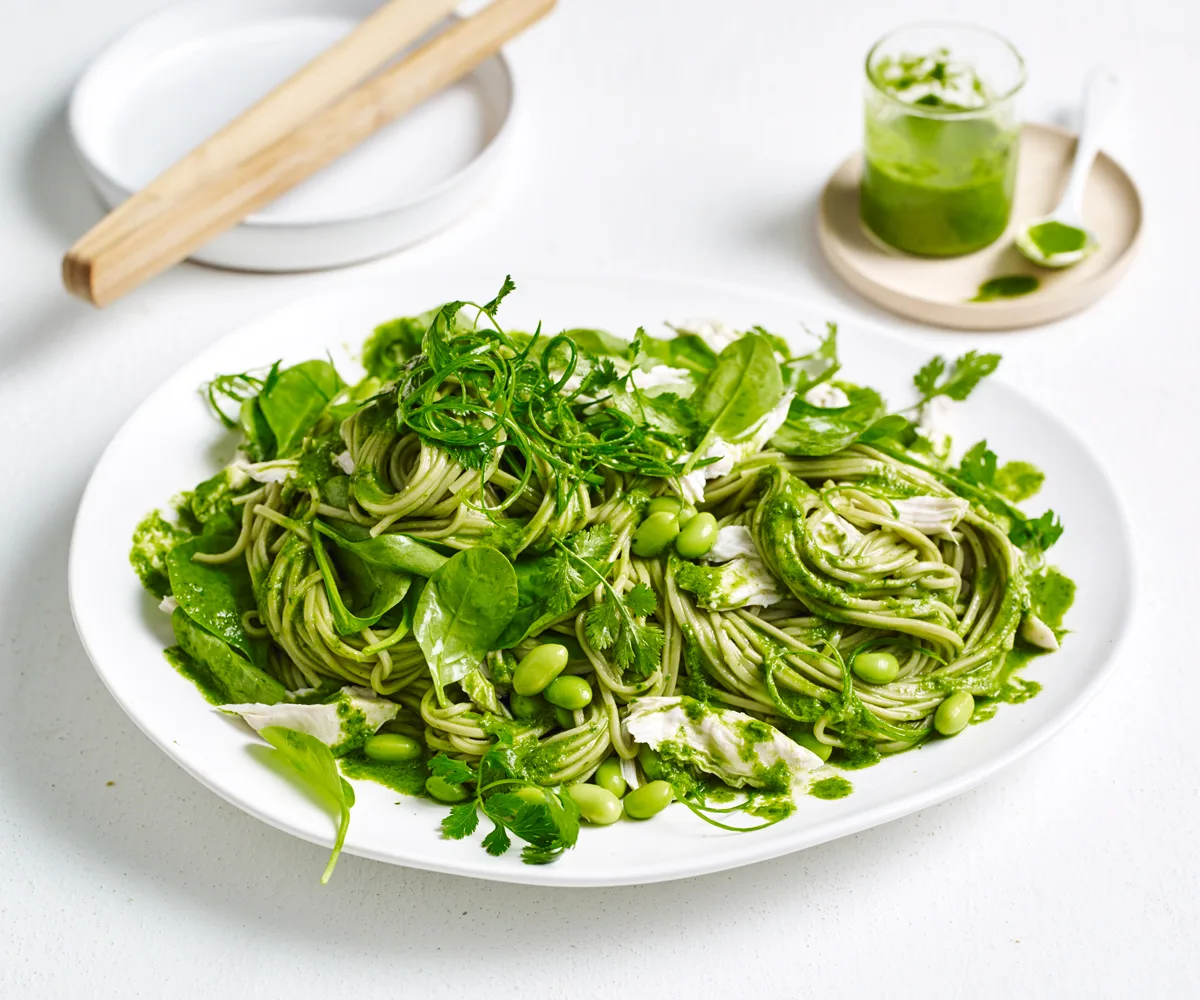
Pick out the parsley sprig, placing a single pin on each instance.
(617, 623)
(548, 828)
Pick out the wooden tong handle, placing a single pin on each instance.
(155, 235)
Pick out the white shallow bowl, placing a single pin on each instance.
(172, 442)
(177, 77)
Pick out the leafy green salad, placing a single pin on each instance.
(544, 579)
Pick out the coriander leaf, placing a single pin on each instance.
(961, 380)
(461, 821)
(593, 544)
(496, 842)
(506, 287)
(1018, 481)
(452, 771)
(602, 625)
(978, 465)
(1038, 535)
(926, 379)
(315, 765)
(641, 600)
(564, 812)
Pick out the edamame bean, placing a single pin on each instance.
(565, 719)
(443, 791)
(654, 534)
(527, 793)
(569, 692)
(664, 505)
(651, 762)
(809, 741)
(649, 800)
(697, 536)
(539, 667)
(596, 805)
(686, 513)
(392, 747)
(953, 714)
(876, 668)
(524, 707)
(608, 775)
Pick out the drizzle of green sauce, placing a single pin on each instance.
(830, 788)
(408, 777)
(1007, 286)
(1051, 594)
(1057, 237)
(196, 673)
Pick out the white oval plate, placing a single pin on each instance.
(172, 442)
(177, 77)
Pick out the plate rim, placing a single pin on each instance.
(687, 866)
(109, 59)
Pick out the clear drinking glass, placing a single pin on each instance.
(940, 149)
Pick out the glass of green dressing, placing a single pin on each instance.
(940, 149)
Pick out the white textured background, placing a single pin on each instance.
(684, 138)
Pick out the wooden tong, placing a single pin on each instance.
(303, 125)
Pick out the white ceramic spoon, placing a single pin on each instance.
(1060, 239)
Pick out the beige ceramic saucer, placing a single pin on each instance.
(939, 291)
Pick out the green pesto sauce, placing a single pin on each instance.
(1052, 593)
(934, 187)
(1007, 286)
(196, 673)
(1013, 689)
(1056, 237)
(407, 778)
(355, 731)
(830, 788)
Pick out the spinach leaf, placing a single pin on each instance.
(817, 430)
(225, 671)
(292, 400)
(314, 764)
(684, 350)
(371, 590)
(215, 596)
(599, 343)
(801, 373)
(743, 388)
(464, 609)
(394, 552)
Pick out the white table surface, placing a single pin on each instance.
(675, 137)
